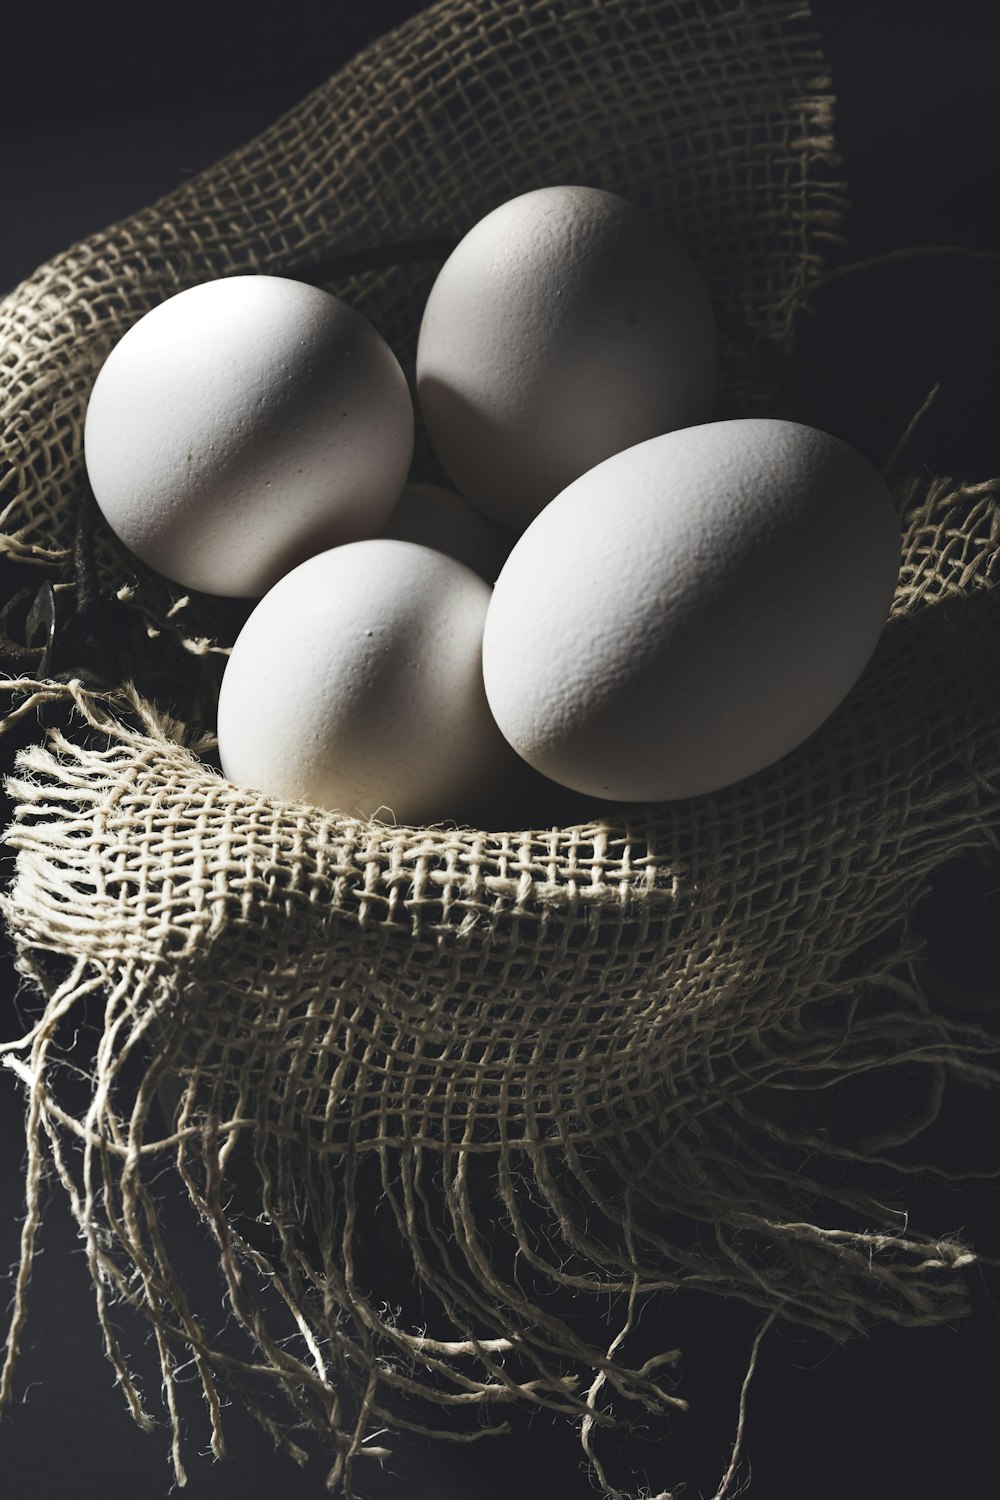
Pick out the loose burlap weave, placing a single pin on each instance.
(431, 1090)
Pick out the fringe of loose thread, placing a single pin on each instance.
(346, 1368)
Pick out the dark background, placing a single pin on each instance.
(105, 109)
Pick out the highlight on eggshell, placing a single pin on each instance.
(566, 325)
(356, 685)
(692, 609)
(244, 424)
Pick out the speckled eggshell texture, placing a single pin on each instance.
(566, 326)
(692, 609)
(243, 425)
(436, 517)
(356, 684)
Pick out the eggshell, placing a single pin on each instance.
(356, 684)
(241, 426)
(436, 517)
(566, 326)
(691, 609)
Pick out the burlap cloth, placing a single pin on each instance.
(433, 1089)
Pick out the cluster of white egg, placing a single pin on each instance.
(636, 601)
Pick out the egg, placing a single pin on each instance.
(242, 425)
(691, 609)
(356, 684)
(565, 326)
(436, 517)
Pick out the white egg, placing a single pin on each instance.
(436, 517)
(356, 684)
(692, 609)
(565, 326)
(243, 425)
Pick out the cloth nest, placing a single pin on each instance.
(432, 1090)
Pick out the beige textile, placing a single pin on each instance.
(431, 1089)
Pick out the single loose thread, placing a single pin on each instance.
(799, 297)
(734, 1461)
(889, 466)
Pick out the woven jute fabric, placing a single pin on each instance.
(434, 1090)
